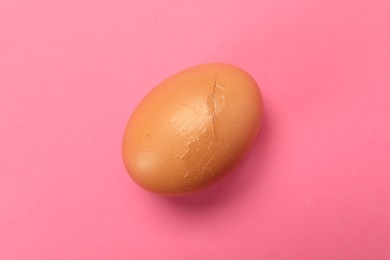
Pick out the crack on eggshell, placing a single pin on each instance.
(200, 151)
(212, 107)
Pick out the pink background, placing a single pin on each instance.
(315, 185)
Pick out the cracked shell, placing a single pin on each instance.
(191, 129)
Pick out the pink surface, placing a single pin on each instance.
(315, 185)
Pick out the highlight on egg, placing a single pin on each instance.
(192, 129)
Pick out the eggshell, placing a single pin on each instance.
(192, 128)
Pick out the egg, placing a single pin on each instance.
(192, 129)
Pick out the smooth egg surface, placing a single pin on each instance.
(192, 128)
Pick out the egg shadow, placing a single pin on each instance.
(241, 179)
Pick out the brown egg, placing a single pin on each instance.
(192, 129)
